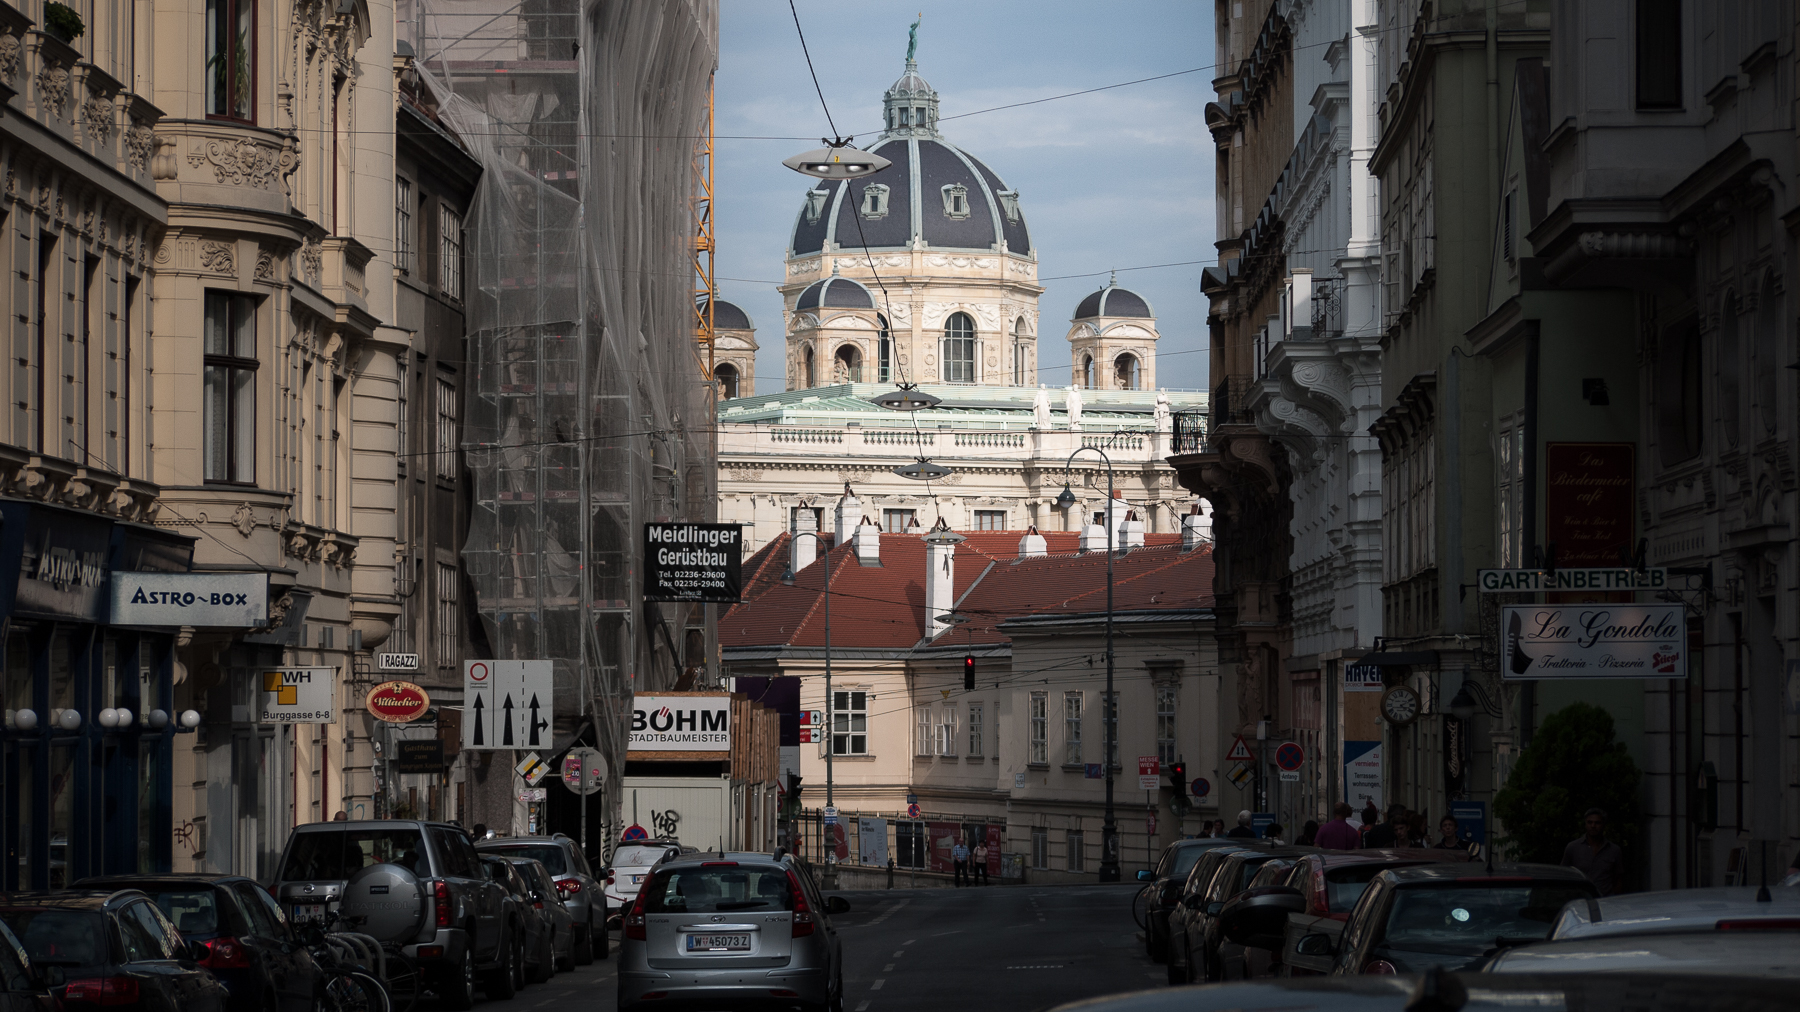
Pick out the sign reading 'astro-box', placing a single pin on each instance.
(671, 723)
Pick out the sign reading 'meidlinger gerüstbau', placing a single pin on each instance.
(1593, 641)
(693, 562)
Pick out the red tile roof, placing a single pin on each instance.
(883, 607)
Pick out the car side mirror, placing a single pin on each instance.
(1315, 945)
(1190, 901)
(1144, 875)
(1212, 909)
(837, 905)
(199, 952)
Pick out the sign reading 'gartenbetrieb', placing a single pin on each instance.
(693, 562)
(1593, 641)
(681, 724)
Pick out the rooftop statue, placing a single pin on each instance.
(912, 39)
(1040, 407)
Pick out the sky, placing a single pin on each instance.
(1116, 179)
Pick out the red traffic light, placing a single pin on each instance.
(968, 673)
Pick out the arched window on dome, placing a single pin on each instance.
(806, 370)
(884, 364)
(846, 365)
(1087, 371)
(1021, 341)
(1125, 372)
(727, 375)
(959, 349)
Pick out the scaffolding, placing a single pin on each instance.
(705, 295)
(580, 316)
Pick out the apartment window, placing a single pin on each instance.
(1510, 491)
(975, 723)
(1072, 728)
(231, 59)
(875, 200)
(897, 521)
(403, 225)
(1165, 723)
(401, 639)
(959, 349)
(1077, 851)
(450, 249)
(444, 455)
(1407, 501)
(924, 735)
(1659, 54)
(990, 520)
(1040, 727)
(946, 730)
(449, 618)
(230, 387)
(849, 723)
(1040, 848)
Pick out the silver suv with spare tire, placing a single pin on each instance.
(416, 886)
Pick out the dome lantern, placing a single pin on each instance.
(910, 106)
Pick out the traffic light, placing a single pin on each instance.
(968, 673)
(793, 790)
(1178, 772)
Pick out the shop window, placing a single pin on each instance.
(230, 387)
(231, 59)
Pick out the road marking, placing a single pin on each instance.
(877, 985)
(899, 952)
(909, 941)
(1037, 966)
(863, 1005)
(888, 968)
(889, 912)
(943, 933)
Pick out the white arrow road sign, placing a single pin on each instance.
(508, 704)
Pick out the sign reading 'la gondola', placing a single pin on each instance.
(1593, 641)
(693, 562)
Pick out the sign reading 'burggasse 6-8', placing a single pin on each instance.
(693, 562)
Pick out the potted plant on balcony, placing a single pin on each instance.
(62, 22)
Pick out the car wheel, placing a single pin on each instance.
(565, 962)
(1177, 975)
(582, 952)
(502, 981)
(602, 944)
(456, 989)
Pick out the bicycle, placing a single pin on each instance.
(349, 987)
(1140, 905)
(395, 974)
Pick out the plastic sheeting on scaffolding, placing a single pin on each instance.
(579, 314)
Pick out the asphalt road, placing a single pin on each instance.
(994, 949)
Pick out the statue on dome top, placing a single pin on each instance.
(912, 38)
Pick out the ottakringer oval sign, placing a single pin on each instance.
(398, 702)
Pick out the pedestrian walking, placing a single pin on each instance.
(1595, 856)
(1339, 834)
(980, 857)
(1309, 834)
(959, 857)
(1273, 833)
(1242, 830)
(1387, 833)
(1447, 826)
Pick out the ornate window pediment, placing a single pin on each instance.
(815, 205)
(1009, 203)
(956, 200)
(875, 200)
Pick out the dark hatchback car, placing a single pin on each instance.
(1166, 879)
(1452, 916)
(250, 946)
(111, 949)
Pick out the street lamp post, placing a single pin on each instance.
(1109, 829)
(830, 714)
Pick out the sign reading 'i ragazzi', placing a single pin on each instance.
(693, 562)
(681, 724)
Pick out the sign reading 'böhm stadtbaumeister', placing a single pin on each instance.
(693, 562)
(1593, 641)
(681, 723)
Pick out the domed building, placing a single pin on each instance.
(938, 244)
(1112, 340)
(734, 350)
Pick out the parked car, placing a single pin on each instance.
(112, 947)
(558, 953)
(1198, 956)
(1729, 953)
(579, 888)
(1449, 915)
(1733, 908)
(464, 931)
(1170, 873)
(250, 946)
(631, 866)
(1192, 892)
(731, 930)
(1465, 992)
(25, 986)
(525, 928)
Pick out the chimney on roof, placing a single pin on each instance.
(1196, 529)
(848, 509)
(866, 542)
(1093, 536)
(1114, 516)
(1033, 544)
(1132, 531)
(940, 584)
(804, 545)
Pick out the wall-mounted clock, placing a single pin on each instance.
(1400, 705)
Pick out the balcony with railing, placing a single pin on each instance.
(1190, 432)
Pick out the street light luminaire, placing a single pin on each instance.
(908, 398)
(837, 161)
(922, 470)
(1066, 499)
